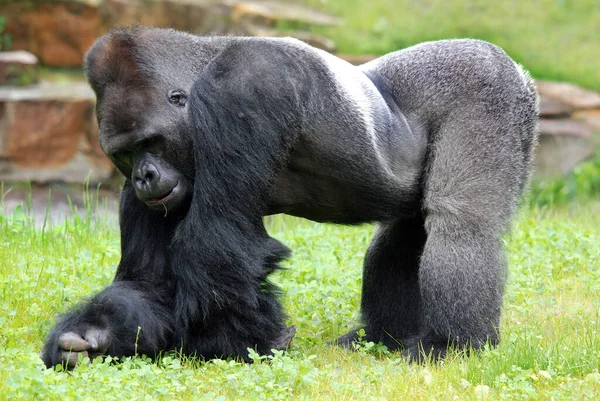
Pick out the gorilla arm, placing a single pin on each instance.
(216, 262)
(245, 115)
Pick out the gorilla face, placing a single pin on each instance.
(156, 182)
(142, 109)
(153, 153)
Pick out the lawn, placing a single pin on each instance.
(550, 346)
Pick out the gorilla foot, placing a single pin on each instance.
(362, 334)
(351, 337)
(286, 339)
(421, 350)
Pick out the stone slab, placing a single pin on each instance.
(565, 127)
(569, 94)
(18, 68)
(48, 132)
(553, 109)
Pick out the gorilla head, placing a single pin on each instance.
(142, 114)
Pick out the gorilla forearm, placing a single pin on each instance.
(145, 237)
(224, 303)
(231, 306)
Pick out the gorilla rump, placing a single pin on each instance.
(433, 142)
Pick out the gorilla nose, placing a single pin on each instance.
(146, 177)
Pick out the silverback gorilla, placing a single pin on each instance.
(433, 142)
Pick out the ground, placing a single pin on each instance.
(550, 331)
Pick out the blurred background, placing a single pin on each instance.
(49, 136)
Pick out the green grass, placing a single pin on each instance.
(62, 75)
(550, 347)
(554, 39)
(581, 183)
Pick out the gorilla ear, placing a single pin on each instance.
(112, 58)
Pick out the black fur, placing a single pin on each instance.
(433, 142)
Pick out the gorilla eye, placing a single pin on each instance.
(177, 97)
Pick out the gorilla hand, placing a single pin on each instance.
(68, 346)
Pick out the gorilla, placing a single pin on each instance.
(434, 143)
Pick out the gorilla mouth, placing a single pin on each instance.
(162, 198)
(168, 200)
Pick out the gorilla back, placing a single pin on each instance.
(434, 143)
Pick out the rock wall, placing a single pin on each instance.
(48, 133)
(569, 127)
(59, 32)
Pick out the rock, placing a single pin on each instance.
(312, 39)
(183, 15)
(569, 127)
(48, 132)
(556, 155)
(563, 144)
(18, 68)
(271, 13)
(264, 18)
(58, 32)
(569, 94)
(590, 117)
(553, 109)
(565, 126)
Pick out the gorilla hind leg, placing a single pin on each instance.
(391, 299)
(474, 179)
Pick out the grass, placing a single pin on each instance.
(62, 75)
(551, 324)
(581, 183)
(554, 39)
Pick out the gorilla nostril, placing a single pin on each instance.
(146, 174)
(149, 176)
(151, 173)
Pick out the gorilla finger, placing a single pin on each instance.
(72, 358)
(72, 342)
(98, 340)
